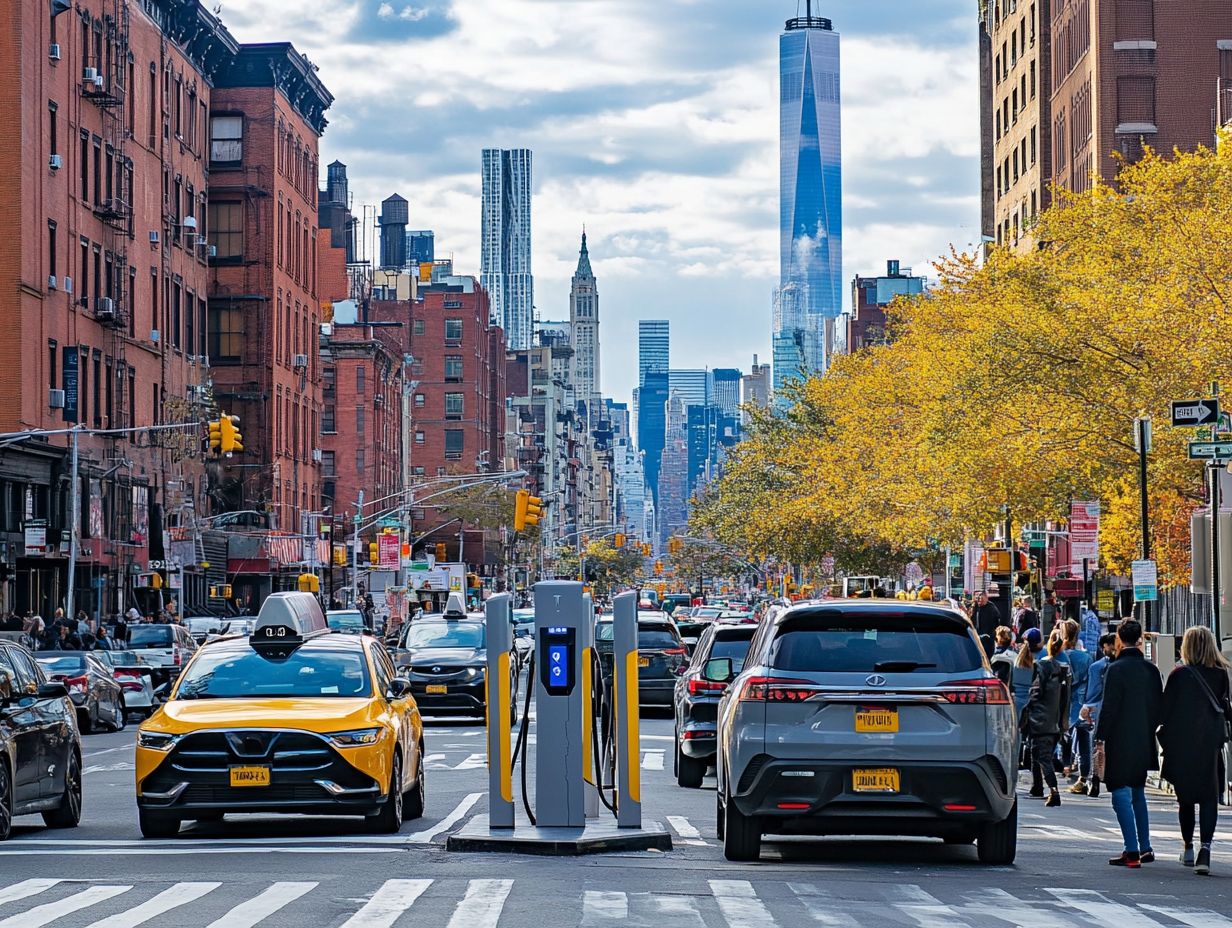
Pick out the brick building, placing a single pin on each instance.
(103, 118)
(869, 298)
(266, 118)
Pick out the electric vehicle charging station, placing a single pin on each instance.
(571, 739)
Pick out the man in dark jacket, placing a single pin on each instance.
(1131, 711)
(986, 617)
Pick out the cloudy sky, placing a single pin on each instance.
(655, 124)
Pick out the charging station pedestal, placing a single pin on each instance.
(565, 777)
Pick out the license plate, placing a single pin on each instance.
(876, 719)
(643, 662)
(250, 776)
(437, 689)
(875, 780)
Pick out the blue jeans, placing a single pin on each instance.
(1082, 749)
(1129, 804)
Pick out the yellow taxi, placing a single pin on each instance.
(290, 719)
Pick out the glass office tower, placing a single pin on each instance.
(505, 253)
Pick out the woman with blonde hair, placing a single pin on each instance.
(1196, 715)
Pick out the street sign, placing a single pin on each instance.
(1210, 450)
(1105, 603)
(1189, 413)
(389, 550)
(1146, 581)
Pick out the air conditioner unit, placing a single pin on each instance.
(317, 455)
(67, 285)
(153, 236)
(55, 162)
(98, 82)
(105, 307)
(55, 399)
(190, 223)
(51, 281)
(88, 75)
(154, 335)
(300, 361)
(213, 251)
(53, 51)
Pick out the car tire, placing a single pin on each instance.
(6, 801)
(121, 714)
(689, 770)
(85, 721)
(68, 813)
(998, 842)
(157, 824)
(389, 818)
(741, 835)
(718, 818)
(414, 801)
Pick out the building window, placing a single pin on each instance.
(453, 331)
(420, 399)
(226, 230)
(329, 467)
(360, 380)
(359, 460)
(328, 424)
(418, 472)
(1135, 101)
(455, 441)
(419, 438)
(453, 405)
(226, 337)
(51, 247)
(359, 420)
(453, 368)
(419, 327)
(226, 139)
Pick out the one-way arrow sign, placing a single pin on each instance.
(1194, 412)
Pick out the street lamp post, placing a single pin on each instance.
(1142, 443)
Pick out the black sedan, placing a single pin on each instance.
(661, 657)
(95, 692)
(40, 747)
(446, 661)
(697, 698)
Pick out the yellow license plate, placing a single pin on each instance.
(643, 662)
(250, 776)
(875, 719)
(875, 780)
(437, 689)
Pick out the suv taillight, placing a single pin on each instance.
(177, 656)
(776, 689)
(77, 684)
(981, 691)
(698, 685)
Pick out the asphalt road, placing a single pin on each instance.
(326, 873)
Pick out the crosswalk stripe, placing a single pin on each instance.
(926, 909)
(1103, 910)
(263, 905)
(170, 898)
(822, 906)
(653, 760)
(25, 889)
(43, 914)
(677, 911)
(473, 762)
(1196, 918)
(387, 904)
(993, 902)
(740, 905)
(601, 907)
(483, 904)
(683, 826)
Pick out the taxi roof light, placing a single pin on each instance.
(287, 620)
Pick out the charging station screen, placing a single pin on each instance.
(558, 666)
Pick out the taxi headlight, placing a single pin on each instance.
(473, 672)
(156, 740)
(355, 739)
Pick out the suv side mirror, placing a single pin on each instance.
(719, 670)
(399, 688)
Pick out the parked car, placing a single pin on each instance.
(661, 657)
(866, 717)
(94, 691)
(135, 677)
(40, 744)
(346, 621)
(692, 624)
(446, 660)
(166, 648)
(697, 697)
(676, 602)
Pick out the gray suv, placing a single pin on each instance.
(866, 717)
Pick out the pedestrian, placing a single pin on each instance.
(69, 640)
(1094, 699)
(132, 617)
(1003, 655)
(1092, 628)
(1027, 616)
(1024, 670)
(1047, 718)
(1048, 613)
(986, 618)
(103, 641)
(36, 631)
(82, 624)
(1077, 739)
(1133, 697)
(1195, 719)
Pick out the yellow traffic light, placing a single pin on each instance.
(226, 591)
(373, 554)
(230, 438)
(620, 540)
(658, 567)
(309, 583)
(215, 434)
(527, 510)
(645, 549)
(440, 551)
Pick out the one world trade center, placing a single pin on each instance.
(809, 298)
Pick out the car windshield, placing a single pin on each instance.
(150, 636)
(656, 637)
(604, 631)
(735, 649)
(231, 674)
(888, 643)
(445, 635)
(203, 626)
(122, 658)
(345, 620)
(69, 663)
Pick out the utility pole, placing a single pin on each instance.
(1212, 473)
(74, 516)
(359, 515)
(1142, 442)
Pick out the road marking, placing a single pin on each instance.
(108, 768)
(603, 907)
(653, 760)
(658, 738)
(677, 911)
(1102, 910)
(127, 747)
(25, 889)
(170, 898)
(927, 910)
(388, 903)
(740, 906)
(43, 914)
(688, 834)
(483, 904)
(188, 849)
(473, 762)
(822, 906)
(426, 836)
(272, 899)
(1197, 918)
(994, 903)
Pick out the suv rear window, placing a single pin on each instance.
(734, 648)
(656, 637)
(865, 643)
(150, 636)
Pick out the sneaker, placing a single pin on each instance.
(1036, 792)
(1093, 792)
(1187, 856)
(1079, 788)
(1202, 866)
(1147, 857)
(1054, 800)
(1129, 859)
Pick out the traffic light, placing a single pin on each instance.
(440, 551)
(528, 510)
(229, 437)
(620, 540)
(309, 583)
(645, 549)
(658, 567)
(215, 427)
(373, 553)
(674, 545)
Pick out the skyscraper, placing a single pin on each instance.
(504, 267)
(653, 348)
(584, 324)
(810, 297)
